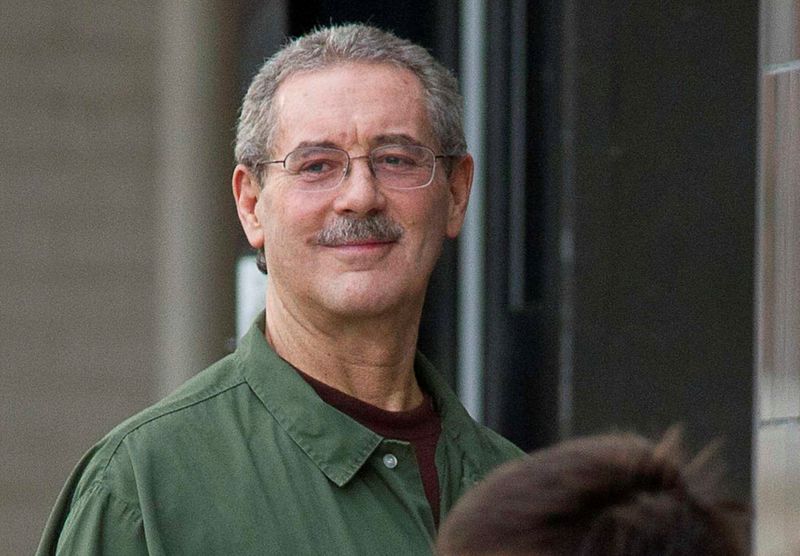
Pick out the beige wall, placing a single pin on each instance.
(76, 211)
(87, 251)
(778, 420)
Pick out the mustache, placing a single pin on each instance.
(348, 229)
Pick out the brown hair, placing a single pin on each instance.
(616, 494)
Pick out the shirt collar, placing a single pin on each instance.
(337, 444)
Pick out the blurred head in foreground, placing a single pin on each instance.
(615, 494)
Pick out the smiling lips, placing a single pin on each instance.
(360, 246)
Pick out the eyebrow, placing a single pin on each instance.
(324, 144)
(379, 140)
(395, 139)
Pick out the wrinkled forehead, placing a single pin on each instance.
(349, 104)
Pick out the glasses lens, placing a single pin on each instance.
(316, 168)
(403, 166)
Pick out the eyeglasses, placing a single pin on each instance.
(394, 166)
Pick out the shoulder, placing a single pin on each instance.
(207, 391)
(103, 493)
(494, 442)
(483, 446)
(206, 398)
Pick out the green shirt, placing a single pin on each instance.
(245, 458)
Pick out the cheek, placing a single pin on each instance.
(434, 219)
(430, 224)
(289, 221)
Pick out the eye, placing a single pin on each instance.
(395, 160)
(317, 166)
(315, 163)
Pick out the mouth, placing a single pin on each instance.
(360, 244)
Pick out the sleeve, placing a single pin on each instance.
(98, 523)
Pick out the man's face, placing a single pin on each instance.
(355, 107)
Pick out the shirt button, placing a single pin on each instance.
(390, 461)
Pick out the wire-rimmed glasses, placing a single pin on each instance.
(394, 166)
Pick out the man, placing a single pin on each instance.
(610, 495)
(325, 432)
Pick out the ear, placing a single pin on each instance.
(246, 191)
(460, 186)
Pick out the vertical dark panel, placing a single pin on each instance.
(499, 405)
(521, 272)
(665, 182)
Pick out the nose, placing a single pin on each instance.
(359, 192)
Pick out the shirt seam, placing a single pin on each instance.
(165, 413)
(100, 485)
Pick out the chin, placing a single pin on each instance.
(372, 303)
(368, 295)
(364, 309)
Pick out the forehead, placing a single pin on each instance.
(350, 104)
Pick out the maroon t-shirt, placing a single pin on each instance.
(420, 427)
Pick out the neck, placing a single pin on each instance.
(371, 359)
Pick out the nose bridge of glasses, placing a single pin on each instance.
(366, 157)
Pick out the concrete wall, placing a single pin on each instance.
(87, 251)
(77, 244)
(778, 419)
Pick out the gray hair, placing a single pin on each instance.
(338, 44)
